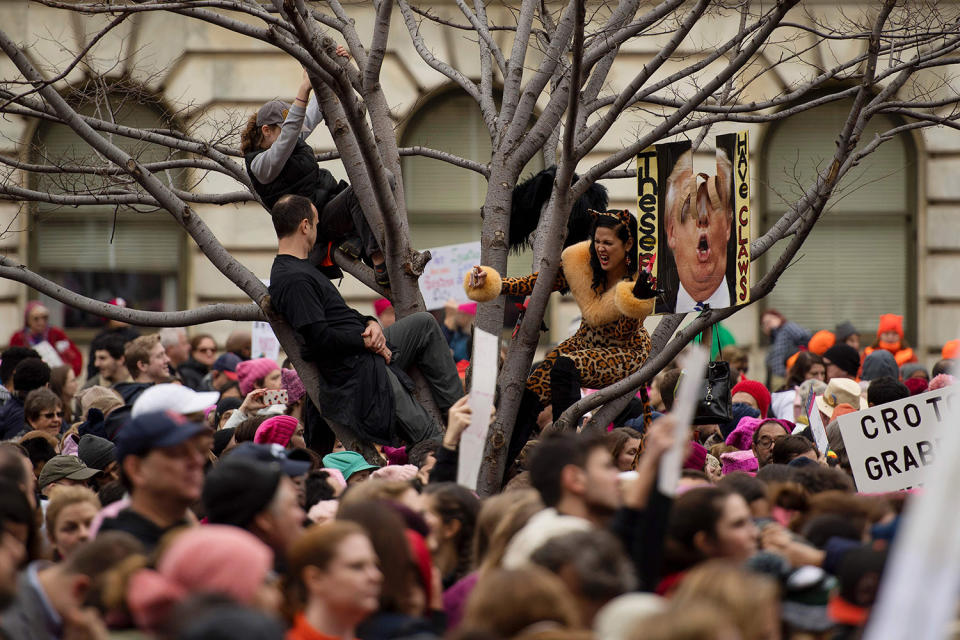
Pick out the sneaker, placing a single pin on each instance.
(380, 274)
(352, 247)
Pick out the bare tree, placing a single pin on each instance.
(551, 91)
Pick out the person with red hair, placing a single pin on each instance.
(890, 338)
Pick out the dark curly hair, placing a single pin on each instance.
(625, 233)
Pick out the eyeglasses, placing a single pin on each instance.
(766, 441)
(51, 414)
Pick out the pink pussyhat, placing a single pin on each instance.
(740, 461)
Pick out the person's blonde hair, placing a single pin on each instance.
(138, 350)
(742, 594)
(526, 503)
(705, 621)
(509, 601)
(62, 497)
(98, 397)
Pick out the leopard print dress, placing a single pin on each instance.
(607, 347)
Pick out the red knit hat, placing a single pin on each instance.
(758, 391)
(890, 322)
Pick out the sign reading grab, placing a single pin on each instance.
(890, 445)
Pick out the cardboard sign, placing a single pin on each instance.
(486, 350)
(442, 278)
(891, 445)
(918, 596)
(684, 407)
(697, 225)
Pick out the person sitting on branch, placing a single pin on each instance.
(280, 162)
(610, 344)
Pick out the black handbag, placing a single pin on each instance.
(715, 405)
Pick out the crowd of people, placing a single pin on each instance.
(189, 492)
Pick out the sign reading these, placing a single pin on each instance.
(442, 278)
(890, 445)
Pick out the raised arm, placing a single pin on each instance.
(267, 166)
(486, 284)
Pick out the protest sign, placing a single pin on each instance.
(917, 599)
(486, 350)
(684, 407)
(697, 225)
(263, 341)
(890, 445)
(816, 426)
(442, 278)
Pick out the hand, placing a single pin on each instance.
(305, 86)
(373, 338)
(778, 540)
(342, 52)
(84, 624)
(659, 438)
(458, 419)
(386, 353)
(253, 402)
(645, 287)
(479, 278)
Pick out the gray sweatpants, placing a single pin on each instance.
(419, 342)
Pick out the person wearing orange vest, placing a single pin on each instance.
(890, 338)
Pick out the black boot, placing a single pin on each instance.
(564, 385)
(525, 426)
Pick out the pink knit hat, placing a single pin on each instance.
(742, 436)
(469, 308)
(739, 461)
(396, 472)
(293, 384)
(696, 456)
(249, 371)
(380, 305)
(200, 560)
(336, 475)
(276, 430)
(940, 381)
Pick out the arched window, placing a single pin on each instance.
(443, 200)
(104, 251)
(859, 261)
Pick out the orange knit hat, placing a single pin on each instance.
(951, 350)
(890, 322)
(821, 341)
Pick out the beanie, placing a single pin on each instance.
(238, 489)
(739, 410)
(890, 322)
(757, 390)
(697, 456)
(878, 364)
(396, 472)
(940, 381)
(739, 461)
(915, 385)
(951, 350)
(821, 341)
(290, 380)
(96, 452)
(276, 430)
(249, 371)
(380, 305)
(844, 330)
(845, 357)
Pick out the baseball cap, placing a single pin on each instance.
(69, 467)
(274, 112)
(173, 397)
(227, 363)
(270, 453)
(156, 430)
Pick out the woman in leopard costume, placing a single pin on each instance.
(610, 343)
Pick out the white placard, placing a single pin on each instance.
(817, 428)
(486, 350)
(442, 278)
(918, 596)
(684, 407)
(891, 445)
(263, 342)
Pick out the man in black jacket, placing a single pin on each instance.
(362, 383)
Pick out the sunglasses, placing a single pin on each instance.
(208, 350)
(52, 414)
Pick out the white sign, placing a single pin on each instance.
(442, 278)
(918, 596)
(816, 426)
(891, 445)
(486, 350)
(684, 407)
(263, 342)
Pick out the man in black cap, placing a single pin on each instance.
(841, 361)
(101, 454)
(251, 489)
(161, 457)
(223, 374)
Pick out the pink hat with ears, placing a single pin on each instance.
(739, 461)
(742, 436)
(380, 305)
(469, 308)
(249, 371)
(276, 430)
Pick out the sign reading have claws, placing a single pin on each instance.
(697, 225)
